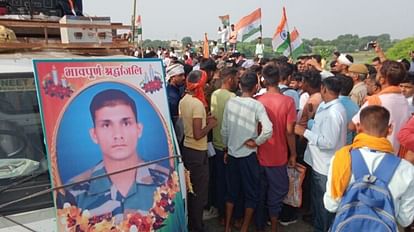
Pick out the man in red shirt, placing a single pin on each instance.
(274, 154)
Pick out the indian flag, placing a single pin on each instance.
(296, 45)
(249, 27)
(138, 24)
(225, 20)
(285, 42)
(280, 40)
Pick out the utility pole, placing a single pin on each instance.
(133, 21)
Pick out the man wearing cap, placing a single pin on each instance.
(358, 73)
(342, 63)
(175, 78)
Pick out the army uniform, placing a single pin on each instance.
(100, 197)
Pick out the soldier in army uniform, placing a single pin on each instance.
(117, 131)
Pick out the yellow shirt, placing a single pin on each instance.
(190, 108)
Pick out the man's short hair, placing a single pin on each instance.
(409, 78)
(393, 71)
(256, 68)
(371, 70)
(208, 64)
(285, 70)
(333, 84)
(248, 81)
(227, 73)
(194, 76)
(271, 74)
(313, 79)
(317, 57)
(376, 59)
(346, 85)
(406, 64)
(375, 119)
(111, 97)
(298, 76)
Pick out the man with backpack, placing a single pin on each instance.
(368, 187)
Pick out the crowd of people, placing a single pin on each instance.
(242, 123)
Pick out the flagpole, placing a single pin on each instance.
(133, 21)
(288, 32)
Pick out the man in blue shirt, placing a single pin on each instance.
(175, 91)
(325, 136)
(350, 106)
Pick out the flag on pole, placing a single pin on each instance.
(249, 27)
(281, 38)
(296, 45)
(206, 49)
(225, 20)
(138, 24)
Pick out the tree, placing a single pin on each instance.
(401, 49)
(325, 51)
(186, 40)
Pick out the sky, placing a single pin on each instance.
(325, 19)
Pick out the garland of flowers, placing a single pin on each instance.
(73, 219)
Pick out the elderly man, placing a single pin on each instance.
(358, 73)
(342, 63)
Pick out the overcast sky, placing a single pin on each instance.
(326, 19)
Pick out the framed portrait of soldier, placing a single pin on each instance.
(110, 145)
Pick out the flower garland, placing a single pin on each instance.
(73, 219)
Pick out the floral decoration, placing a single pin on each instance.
(74, 219)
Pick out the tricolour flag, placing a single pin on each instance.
(249, 27)
(296, 45)
(225, 20)
(138, 24)
(281, 40)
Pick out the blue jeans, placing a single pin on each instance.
(322, 218)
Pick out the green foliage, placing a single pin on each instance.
(325, 51)
(349, 43)
(401, 49)
(248, 48)
(186, 40)
(155, 43)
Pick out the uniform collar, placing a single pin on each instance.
(148, 175)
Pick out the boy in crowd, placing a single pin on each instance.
(273, 155)
(373, 145)
(407, 89)
(241, 139)
(230, 80)
(350, 106)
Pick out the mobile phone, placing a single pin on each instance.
(371, 44)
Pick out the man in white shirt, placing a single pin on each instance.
(259, 48)
(240, 136)
(373, 145)
(325, 134)
(224, 35)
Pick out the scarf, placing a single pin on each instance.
(375, 100)
(341, 164)
(197, 89)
